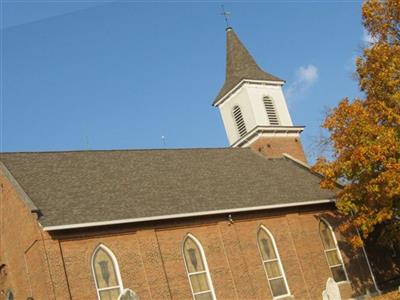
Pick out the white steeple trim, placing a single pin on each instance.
(240, 84)
(249, 95)
(268, 131)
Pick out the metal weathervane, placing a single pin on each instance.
(226, 15)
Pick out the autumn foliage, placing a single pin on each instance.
(365, 133)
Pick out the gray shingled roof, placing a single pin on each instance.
(94, 186)
(240, 65)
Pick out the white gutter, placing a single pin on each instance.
(185, 215)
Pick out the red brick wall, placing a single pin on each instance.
(21, 248)
(276, 146)
(56, 267)
(151, 260)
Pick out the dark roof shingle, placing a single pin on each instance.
(93, 186)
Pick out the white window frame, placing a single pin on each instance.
(116, 269)
(278, 258)
(206, 271)
(321, 219)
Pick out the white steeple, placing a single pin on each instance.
(251, 102)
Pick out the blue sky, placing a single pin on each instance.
(122, 74)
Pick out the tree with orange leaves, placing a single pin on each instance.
(365, 133)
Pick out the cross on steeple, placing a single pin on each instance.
(226, 14)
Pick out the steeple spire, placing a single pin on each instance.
(253, 106)
(240, 65)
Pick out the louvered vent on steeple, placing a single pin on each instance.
(271, 112)
(241, 126)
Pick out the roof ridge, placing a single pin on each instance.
(297, 161)
(123, 150)
(308, 168)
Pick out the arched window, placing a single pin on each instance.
(270, 110)
(272, 263)
(197, 269)
(332, 252)
(9, 295)
(106, 274)
(240, 125)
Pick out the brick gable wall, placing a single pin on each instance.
(21, 248)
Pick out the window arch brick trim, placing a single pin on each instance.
(204, 261)
(115, 265)
(278, 259)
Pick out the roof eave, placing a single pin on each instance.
(184, 215)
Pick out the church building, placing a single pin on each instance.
(249, 221)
